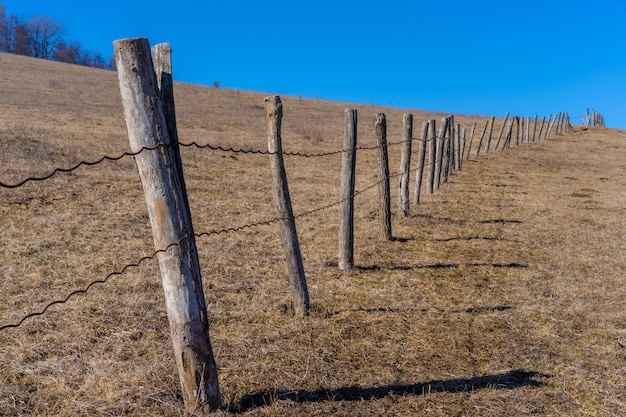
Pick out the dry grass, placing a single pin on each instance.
(504, 294)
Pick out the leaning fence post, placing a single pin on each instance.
(163, 183)
(380, 127)
(481, 139)
(432, 155)
(348, 177)
(488, 145)
(297, 280)
(469, 146)
(420, 162)
(405, 163)
(501, 131)
(441, 140)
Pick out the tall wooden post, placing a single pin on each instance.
(432, 155)
(535, 127)
(482, 136)
(384, 192)
(506, 118)
(462, 146)
(488, 145)
(163, 183)
(297, 279)
(457, 147)
(405, 164)
(543, 122)
(469, 146)
(441, 140)
(348, 177)
(420, 162)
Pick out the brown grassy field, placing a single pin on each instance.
(504, 293)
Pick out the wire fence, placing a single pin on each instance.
(231, 229)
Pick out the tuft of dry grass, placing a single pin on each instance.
(503, 293)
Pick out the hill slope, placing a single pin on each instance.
(503, 293)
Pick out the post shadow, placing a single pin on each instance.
(514, 379)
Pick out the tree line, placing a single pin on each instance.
(43, 37)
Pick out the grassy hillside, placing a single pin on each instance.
(503, 294)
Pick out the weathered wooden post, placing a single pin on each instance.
(543, 122)
(289, 234)
(469, 146)
(163, 183)
(550, 124)
(509, 133)
(457, 147)
(488, 145)
(405, 164)
(348, 177)
(441, 141)
(482, 136)
(506, 118)
(535, 127)
(432, 155)
(384, 192)
(420, 162)
(445, 167)
(462, 140)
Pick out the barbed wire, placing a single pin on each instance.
(78, 165)
(445, 156)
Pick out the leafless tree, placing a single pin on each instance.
(43, 33)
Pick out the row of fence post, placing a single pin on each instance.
(593, 118)
(146, 88)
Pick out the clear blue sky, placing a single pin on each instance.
(481, 57)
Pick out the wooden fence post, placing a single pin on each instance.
(463, 133)
(348, 177)
(502, 130)
(482, 136)
(405, 163)
(469, 146)
(420, 162)
(488, 144)
(507, 140)
(432, 155)
(535, 127)
(543, 122)
(443, 129)
(447, 150)
(550, 124)
(297, 279)
(164, 188)
(457, 147)
(384, 192)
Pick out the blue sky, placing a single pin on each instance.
(481, 57)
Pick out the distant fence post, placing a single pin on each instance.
(164, 188)
(535, 127)
(420, 162)
(506, 118)
(405, 163)
(456, 146)
(469, 146)
(441, 140)
(348, 177)
(488, 145)
(384, 191)
(432, 155)
(297, 279)
(482, 136)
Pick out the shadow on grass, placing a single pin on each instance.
(471, 310)
(436, 266)
(513, 379)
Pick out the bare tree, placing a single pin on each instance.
(43, 34)
(13, 36)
